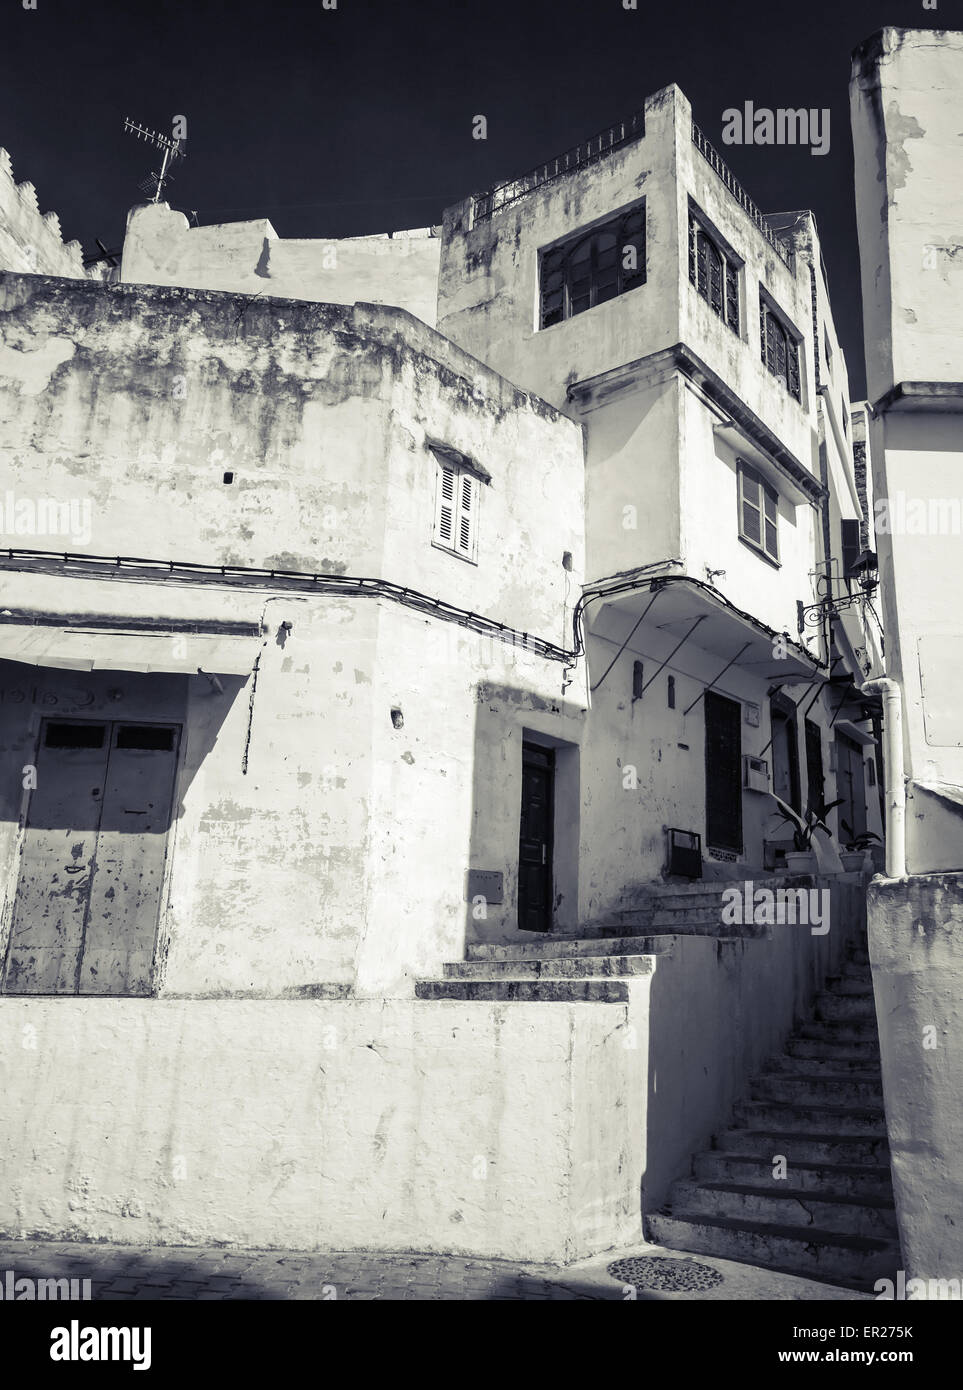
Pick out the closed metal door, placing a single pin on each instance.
(723, 772)
(535, 870)
(88, 898)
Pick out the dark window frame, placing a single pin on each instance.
(571, 283)
(779, 346)
(714, 273)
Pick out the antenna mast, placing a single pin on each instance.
(153, 185)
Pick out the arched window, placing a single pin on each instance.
(593, 268)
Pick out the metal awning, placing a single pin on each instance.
(99, 649)
(723, 629)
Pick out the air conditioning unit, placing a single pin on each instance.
(755, 773)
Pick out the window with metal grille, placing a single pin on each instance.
(592, 268)
(456, 510)
(780, 349)
(758, 512)
(714, 273)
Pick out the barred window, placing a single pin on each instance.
(714, 274)
(780, 349)
(591, 269)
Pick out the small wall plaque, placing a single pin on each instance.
(485, 883)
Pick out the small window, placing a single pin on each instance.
(827, 350)
(456, 510)
(780, 349)
(758, 512)
(61, 735)
(845, 419)
(157, 738)
(593, 268)
(638, 680)
(714, 273)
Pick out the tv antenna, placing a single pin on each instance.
(153, 185)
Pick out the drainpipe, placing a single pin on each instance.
(895, 783)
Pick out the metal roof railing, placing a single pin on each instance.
(502, 195)
(712, 156)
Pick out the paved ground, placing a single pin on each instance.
(119, 1272)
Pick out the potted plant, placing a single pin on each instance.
(855, 858)
(803, 858)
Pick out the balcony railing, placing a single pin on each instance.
(741, 196)
(485, 205)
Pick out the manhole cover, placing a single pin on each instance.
(675, 1276)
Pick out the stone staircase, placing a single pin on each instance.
(820, 1105)
(594, 965)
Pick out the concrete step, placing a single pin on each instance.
(873, 1216)
(783, 1116)
(825, 1064)
(552, 947)
(581, 991)
(841, 1031)
(826, 1089)
(841, 1179)
(871, 1150)
(702, 923)
(844, 1008)
(860, 1050)
(553, 967)
(855, 1261)
(850, 986)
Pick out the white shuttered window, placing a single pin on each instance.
(456, 510)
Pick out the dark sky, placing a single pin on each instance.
(359, 119)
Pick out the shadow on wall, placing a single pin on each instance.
(523, 862)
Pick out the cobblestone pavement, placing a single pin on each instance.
(122, 1272)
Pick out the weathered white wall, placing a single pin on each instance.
(521, 1131)
(908, 146)
(161, 248)
(916, 950)
(904, 102)
(31, 241)
(340, 854)
(512, 1131)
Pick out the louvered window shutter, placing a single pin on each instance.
(445, 506)
(465, 541)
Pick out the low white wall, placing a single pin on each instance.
(916, 950)
(497, 1130)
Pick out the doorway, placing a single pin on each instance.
(723, 772)
(851, 786)
(785, 751)
(95, 847)
(535, 844)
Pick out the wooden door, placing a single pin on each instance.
(131, 852)
(85, 915)
(535, 873)
(850, 785)
(723, 772)
(53, 893)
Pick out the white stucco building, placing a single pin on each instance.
(396, 632)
